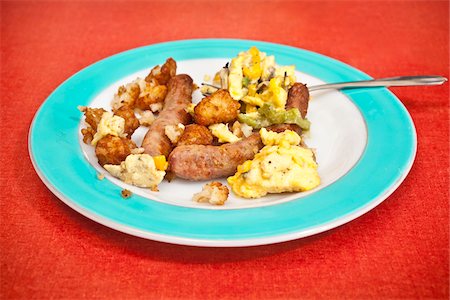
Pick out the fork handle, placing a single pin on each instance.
(392, 81)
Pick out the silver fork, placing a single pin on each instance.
(392, 81)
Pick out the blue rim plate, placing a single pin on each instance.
(59, 162)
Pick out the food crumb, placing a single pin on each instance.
(100, 176)
(88, 135)
(214, 193)
(207, 78)
(156, 107)
(126, 193)
(147, 118)
(174, 132)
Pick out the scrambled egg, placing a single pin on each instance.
(109, 124)
(281, 166)
(222, 132)
(236, 75)
(139, 170)
(255, 79)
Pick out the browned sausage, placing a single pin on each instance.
(298, 97)
(179, 96)
(199, 162)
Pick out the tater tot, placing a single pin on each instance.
(151, 95)
(163, 74)
(93, 116)
(126, 95)
(217, 108)
(195, 135)
(131, 122)
(113, 150)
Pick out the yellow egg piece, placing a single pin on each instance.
(279, 94)
(281, 166)
(251, 90)
(235, 77)
(222, 132)
(109, 124)
(253, 100)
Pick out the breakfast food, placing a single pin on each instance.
(195, 134)
(214, 193)
(205, 162)
(174, 112)
(200, 162)
(248, 128)
(131, 122)
(139, 170)
(163, 74)
(174, 132)
(217, 108)
(113, 149)
(281, 166)
(148, 93)
(126, 193)
(298, 97)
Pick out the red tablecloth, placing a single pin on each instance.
(399, 249)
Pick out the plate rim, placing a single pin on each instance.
(223, 242)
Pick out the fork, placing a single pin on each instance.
(383, 82)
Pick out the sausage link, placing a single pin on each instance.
(200, 162)
(179, 96)
(298, 97)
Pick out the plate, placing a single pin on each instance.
(365, 142)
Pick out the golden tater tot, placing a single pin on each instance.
(151, 95)
(113, 150)
(93, 116)
(131, 122)
(163, 74)
(195, 135)
(217, 108)
(126, 95)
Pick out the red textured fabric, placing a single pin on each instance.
(398, 250)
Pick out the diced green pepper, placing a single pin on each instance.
(273, 115)
(255, 120)
(267, 116)
(293, 117)
(245, 81)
